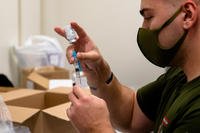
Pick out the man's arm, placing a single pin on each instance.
(122, 103)
(124, 111)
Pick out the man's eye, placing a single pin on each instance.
(148, 18)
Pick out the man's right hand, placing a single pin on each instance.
(93, 64)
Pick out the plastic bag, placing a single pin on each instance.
(6, 125)
(40, 51)
(21, 129)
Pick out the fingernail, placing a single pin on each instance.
(73, 84)
(71, 60)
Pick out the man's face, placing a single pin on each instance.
(155, 14)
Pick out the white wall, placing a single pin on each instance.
(9, 32)
(112, 24)
(19, 19)
(30, 18)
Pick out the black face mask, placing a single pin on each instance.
(148, 43)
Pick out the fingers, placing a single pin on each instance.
(69, 112)
(81, 33)
(78, 92)
(72, 97)
(92, 55)
(83, 38)
(74, 102)
(69, 51)
(60, 31)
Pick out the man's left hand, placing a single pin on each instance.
(88, 113)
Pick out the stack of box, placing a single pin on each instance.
(41, 111)
(42, 108)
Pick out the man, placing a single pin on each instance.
(169, 37)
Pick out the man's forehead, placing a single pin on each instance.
(156, 5)
(150, 3)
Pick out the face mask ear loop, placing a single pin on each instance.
(170, 20)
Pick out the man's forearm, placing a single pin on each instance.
(106, 128)
(119, 99)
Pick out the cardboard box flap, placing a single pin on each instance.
(49, 69)
(48, 72)
(6, 89)
(19, 93)
(38, 79)
(58, 111)
(21, 114)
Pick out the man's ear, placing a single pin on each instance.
(191, 14)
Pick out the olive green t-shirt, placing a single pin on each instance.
(156, 98)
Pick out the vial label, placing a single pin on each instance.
(80, 80)
(71, 34)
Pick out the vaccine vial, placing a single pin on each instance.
(70, 34)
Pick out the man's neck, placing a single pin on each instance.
(191, 65)
(192, 71)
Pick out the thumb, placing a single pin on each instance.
(91, 55)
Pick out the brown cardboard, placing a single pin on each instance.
(56, 117)
(6, 89)
(41, 111)
(48, 72)
(39, 81)
(21, 114)
(23, 76)
(19, 93)
(43, 83)
(62, 90)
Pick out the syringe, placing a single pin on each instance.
(77, 78)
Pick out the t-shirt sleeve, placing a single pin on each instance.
(148, 97)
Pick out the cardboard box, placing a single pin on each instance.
(50, 72)
(42, 83)
(41, 111)
(6, 89)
